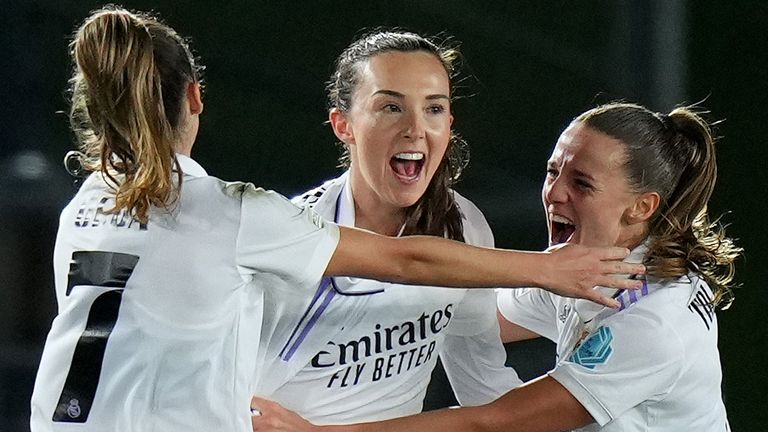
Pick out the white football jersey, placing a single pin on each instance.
(362, 350)
(157, 322)
(651, 366)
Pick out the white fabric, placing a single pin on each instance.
(658, 366)
(370, 356)
(182, 352)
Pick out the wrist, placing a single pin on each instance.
(538, 269)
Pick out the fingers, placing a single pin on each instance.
(598, 298)
(274, 417)
(258, 403)
(613, 253)
(619, 283)
(619, 267)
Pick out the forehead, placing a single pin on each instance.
(588, 148)
(414, 71)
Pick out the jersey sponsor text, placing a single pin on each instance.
(360, 360)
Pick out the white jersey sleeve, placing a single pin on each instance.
(643, 362)
(532, 308)
(473, 355)
(293, 242)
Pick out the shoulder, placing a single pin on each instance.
(468, 208)
(311, 197)
(476, 228)
(647, 333)
(667, 296)
(257, 197)
(237, 201)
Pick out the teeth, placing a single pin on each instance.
(560, 219)
(410, 156)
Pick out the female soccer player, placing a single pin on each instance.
(625, 176)
(160, 269)
(359, 350)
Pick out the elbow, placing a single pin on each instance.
(402, 261)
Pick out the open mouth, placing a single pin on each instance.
(561, 229)
(407, 165)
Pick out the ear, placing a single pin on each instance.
(341, 126)
(643, 208)
(194, 98)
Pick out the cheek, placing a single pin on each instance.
(604, 224)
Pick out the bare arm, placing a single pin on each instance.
(570, 271)
(542, 405)
(511, 332)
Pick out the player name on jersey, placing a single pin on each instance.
(95, 214)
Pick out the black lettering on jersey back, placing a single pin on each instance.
(703, 306)
(91, 215)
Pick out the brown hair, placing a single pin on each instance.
(128, 88)
(436, 212)
(674, 155)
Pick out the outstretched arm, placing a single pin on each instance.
(569, 270)
(542, 405)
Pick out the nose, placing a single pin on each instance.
(415, 127)
(555, 190)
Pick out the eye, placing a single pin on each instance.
(583, 184)
(391, 108)
(436, 109)
(552, 172)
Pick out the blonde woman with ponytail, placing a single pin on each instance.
(620, 175)
(160, 269)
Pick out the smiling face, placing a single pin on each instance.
(397, 128)
(586, 195)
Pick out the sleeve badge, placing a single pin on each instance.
(594, 350)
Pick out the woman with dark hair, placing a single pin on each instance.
(362, 350)
(160, 269)
(620, 175)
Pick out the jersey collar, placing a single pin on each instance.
(190, 167)
(588, 310)
(345, 206)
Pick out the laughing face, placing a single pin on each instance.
(397, 128)
(586, 196)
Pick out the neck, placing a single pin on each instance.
(634, 238)
(184, 148)
(374, 215)
(380, 222)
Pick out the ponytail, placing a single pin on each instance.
(679, 150)
(683, 238)
(125, 128)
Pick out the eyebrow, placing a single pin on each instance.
(402, 96)
(583, 174)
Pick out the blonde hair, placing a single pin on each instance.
(128, 88)
(674, 155)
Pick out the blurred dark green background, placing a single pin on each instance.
(530, 67)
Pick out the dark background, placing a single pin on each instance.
(530, 67)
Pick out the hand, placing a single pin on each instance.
(574, 271)
(275, 418)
